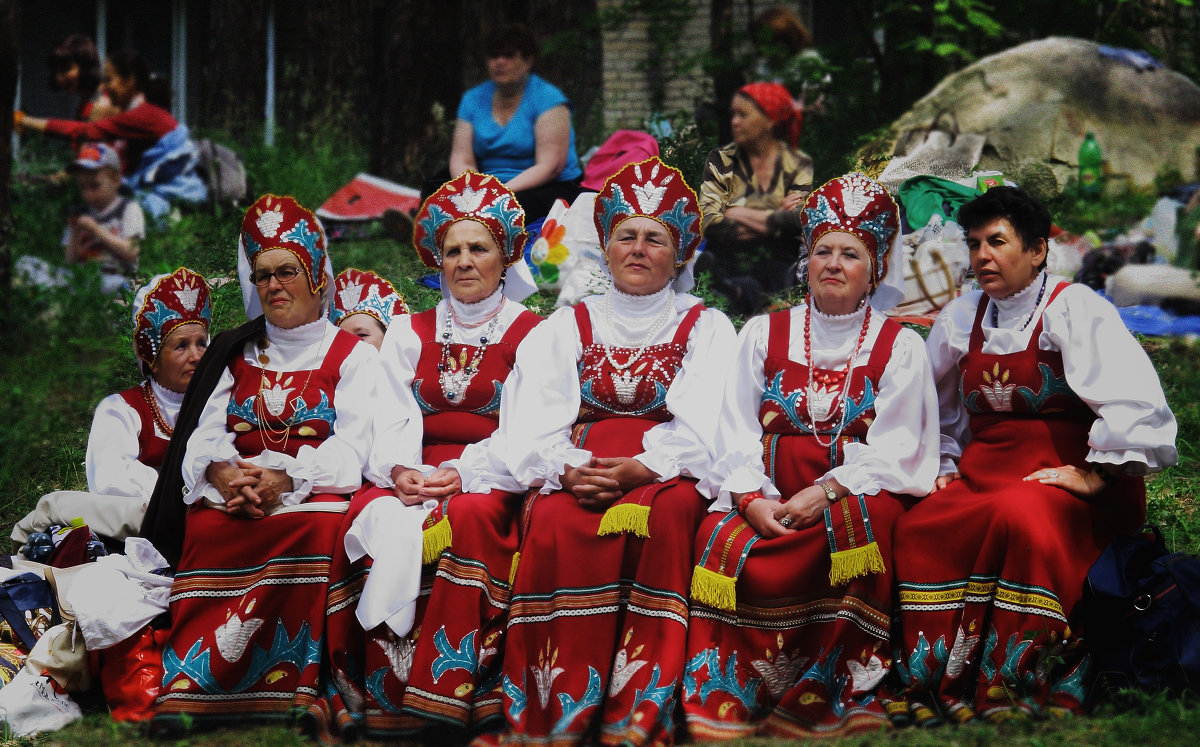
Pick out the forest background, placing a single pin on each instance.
(365, 95)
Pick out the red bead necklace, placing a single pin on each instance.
(829, 378)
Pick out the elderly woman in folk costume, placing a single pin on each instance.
(282, 437)
(609, 414)
(1050, 414)
(440, 401)
(829, 419)
(131, 429)
(364, 304)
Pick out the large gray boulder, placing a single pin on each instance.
(1034, 103)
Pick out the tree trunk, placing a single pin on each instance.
(727, 76)
(233, 79)
(418, 70)
(8, 91)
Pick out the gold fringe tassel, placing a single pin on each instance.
(434, 540)
(714, 589)
(628, 518)
(512, 569)
(847, 565)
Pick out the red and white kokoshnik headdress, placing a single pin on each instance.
(364, 292)
(859, 206)
(164, 305)
(654, 190)
(274, 222)
(470, 196)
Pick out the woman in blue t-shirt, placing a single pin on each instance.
(517, 127)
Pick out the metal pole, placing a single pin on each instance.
(269, 106)
(102, 29)
(179, 59)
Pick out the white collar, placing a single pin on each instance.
(171, 399)
(1015, 309)
(305, 334)
(470, 313)
(628, 307)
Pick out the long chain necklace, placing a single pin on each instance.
(834, 407)
(640, 346)
(152, 401)
(455, 382)
(272, 401)
(1036, 304)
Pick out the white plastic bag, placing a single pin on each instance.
(33, 703)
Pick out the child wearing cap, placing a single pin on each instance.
(110, 227)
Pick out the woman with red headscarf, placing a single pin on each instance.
(751, 190)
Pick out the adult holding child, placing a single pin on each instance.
(517, 127)
(610, 415)
(155, 150)
(750, 195)
(131, 429)
(444, 370)
(1051, 413)
(828, 425)
(282, 438)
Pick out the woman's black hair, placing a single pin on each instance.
(1028, 217)
(510, 38)
(78, 50)
(129, 64)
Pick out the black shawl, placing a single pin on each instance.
(164, 521)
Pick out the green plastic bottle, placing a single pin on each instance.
(1090, 166)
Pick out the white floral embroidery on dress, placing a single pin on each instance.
(233, 636)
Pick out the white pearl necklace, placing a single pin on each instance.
(640, 346)
(454, 383)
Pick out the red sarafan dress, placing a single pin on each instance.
(445, 672)
(251, 598)
(598, 621)
(806, 643)
(990, 568)
(152, 445)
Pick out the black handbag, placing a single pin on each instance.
(1141, 615)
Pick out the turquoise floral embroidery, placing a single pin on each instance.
(323, 412)
(825, 673)
(245, 411)
(375, 687)
(1051, 385)
(429, 225)
(516, 696)
(464, 657)
(504, 211)
(573, 709)
(308, 239)
(679, 218)
(719, 681)
(301, 652)
(660, 399)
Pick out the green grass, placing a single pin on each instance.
(63, 352)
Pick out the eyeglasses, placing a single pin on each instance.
(285, 274)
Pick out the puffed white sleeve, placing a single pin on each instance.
(946, 344)
(540, 405)
(112, 452)
(738, 466)
(1107, 368)
(900, 453)
(336, 465)
(684, 444)
(399, 424)
(211, 442)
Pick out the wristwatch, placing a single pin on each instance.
(830, 493)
